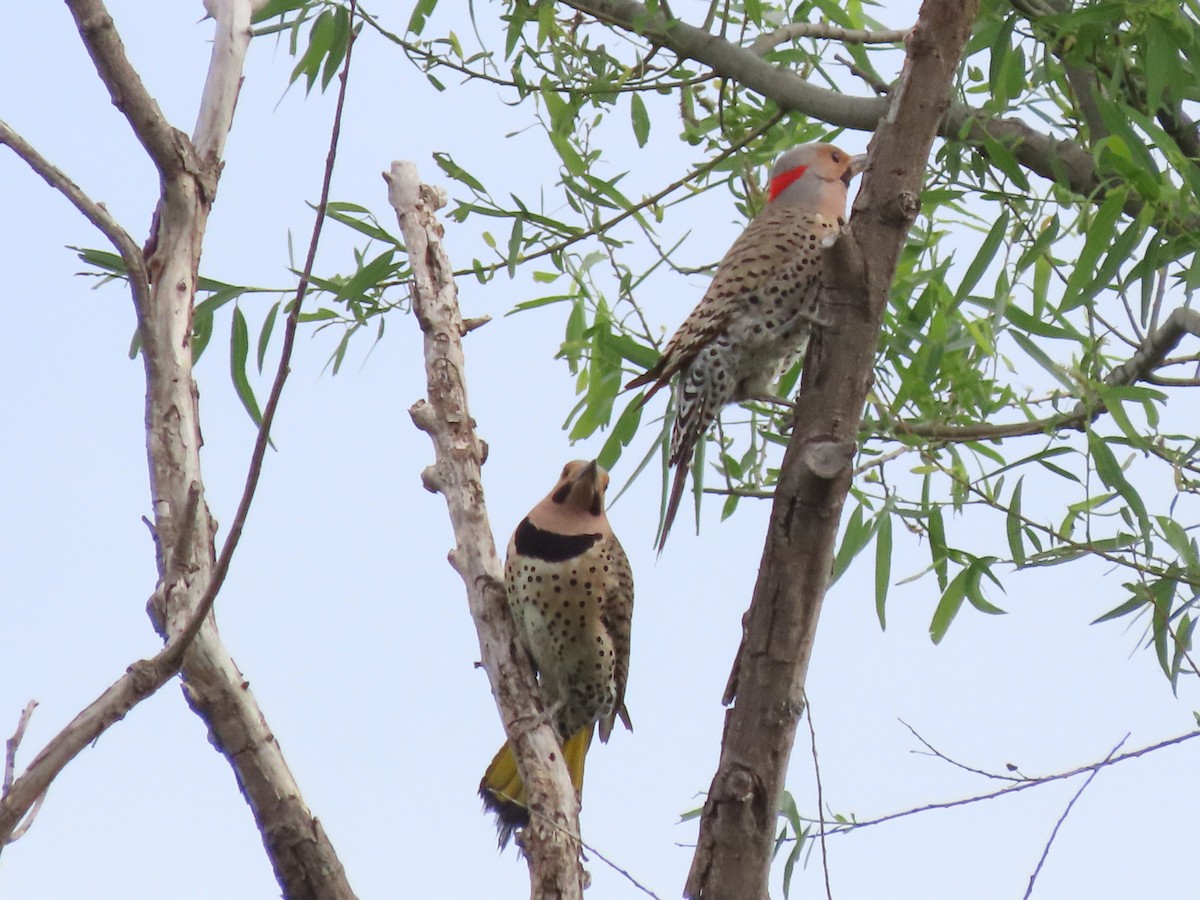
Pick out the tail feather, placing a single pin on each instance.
(503, 791)
(681, 470)
(656, 373)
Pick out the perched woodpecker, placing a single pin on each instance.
(570, 590)
(755, 317)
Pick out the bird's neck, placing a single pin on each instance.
(826, 198)
(564, 518)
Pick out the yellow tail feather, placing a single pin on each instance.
(503, 792)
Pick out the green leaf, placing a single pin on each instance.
(948, 606)
(1110, 473)
(1178, 540)
(979, 567)
(936, 529)
(457, 172)
(624, 431)
(275, 8)
(883, 565)
(641, 119)
(983, 259)
(854, 538)
(202, 330)
(359, 219)
(1162, 592)
(239, 351)
(1038, 355)
(422, 10)
(1099, 236)
(320, 44)
(1183, 644)
(1123, 609)
(1013, 525)
(264, 336)
(339, 43)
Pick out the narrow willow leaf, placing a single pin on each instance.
(883, 566)
(1110, 473)
(239, 352)
(937, 544)
(948, 607)
(641, 119)
(854, 538)
(1123, 609)
(1100, 233)
(264, 337)
(983, 259)
(1013, 526)
(1038, 355)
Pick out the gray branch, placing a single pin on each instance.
(164, 291)
(737, 827)
(551, 840)
(1061, 161)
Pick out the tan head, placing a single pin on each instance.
(576, 505)
(815, 177)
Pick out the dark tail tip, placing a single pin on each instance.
(681, 470)
(510, 815)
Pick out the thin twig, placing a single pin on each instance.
(933, 751)
(880, 87)
(847, 827)
(1063, 818)
(812, 734)
(596, 853)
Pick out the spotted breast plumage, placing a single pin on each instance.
(755, 318)
(570, 589)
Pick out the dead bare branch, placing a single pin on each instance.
(10, 763)
(551, 840)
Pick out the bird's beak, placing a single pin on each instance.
(857, 164)
(590, 472)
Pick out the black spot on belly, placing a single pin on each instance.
(551, 547)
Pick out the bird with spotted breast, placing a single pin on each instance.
(755, 317)
(570, 590)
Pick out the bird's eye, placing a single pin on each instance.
(837, 157)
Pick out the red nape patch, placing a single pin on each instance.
(780, 183)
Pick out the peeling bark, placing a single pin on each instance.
(550, 841)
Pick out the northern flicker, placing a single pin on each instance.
(570, 590)
(756, 315)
